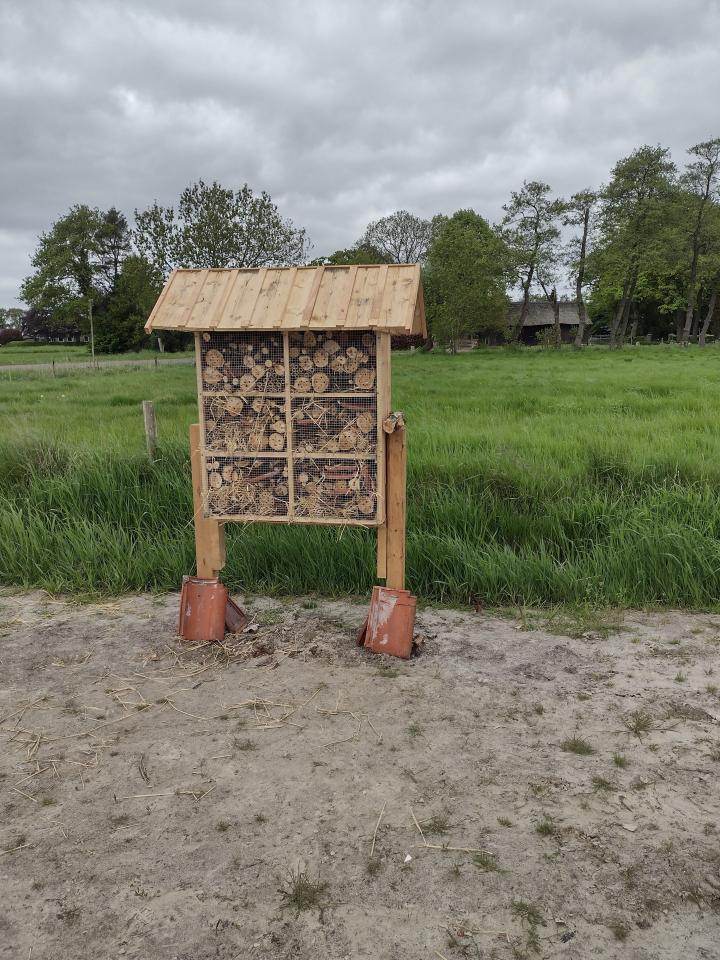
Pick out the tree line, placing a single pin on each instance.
(639, 254)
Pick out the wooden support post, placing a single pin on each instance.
(150, 427)
(383, 402)
(209, 533)
(396, 466)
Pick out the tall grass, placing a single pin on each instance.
(534, 477)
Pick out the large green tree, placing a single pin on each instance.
(112, 247)
(123, 314)
(401, 237)
(531, 231)
(468, 267)
(633, 208)
(700, 182)
(578, 214)
(65, 265)
(215, 226)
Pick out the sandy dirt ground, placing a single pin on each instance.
(162, 802)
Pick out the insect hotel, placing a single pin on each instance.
(294, 400)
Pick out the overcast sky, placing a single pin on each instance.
(343, 111)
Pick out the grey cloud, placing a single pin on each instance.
(342, 111)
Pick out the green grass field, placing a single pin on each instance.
(534, 478)
(19, 353)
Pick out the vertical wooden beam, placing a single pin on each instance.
(384, 400)
(288, 427)
(209, 533)
(395, 505)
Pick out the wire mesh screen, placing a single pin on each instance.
(235, 424)
(334, 425)
(332, 362)
(256, 487)
(336, 489)
(303, 449)
(242, 363)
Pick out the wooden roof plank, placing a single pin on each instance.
(209, 300)
(402, 307)
(244, 301)
(361, 300)
(312, 296)
(292, 318)
(344, 310)
(333, 297)
(190, 295)
(280, 314)
(181, 283)
(376, 306)
(271, 293)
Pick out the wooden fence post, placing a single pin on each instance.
(148, 408)
(209, 533)
(395, 502)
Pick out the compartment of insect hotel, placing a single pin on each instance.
(336, 489)
(234, 424)
(329, 425)
(332, 362)
(242, 363)
(247, 487)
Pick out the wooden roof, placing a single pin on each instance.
(385, 297)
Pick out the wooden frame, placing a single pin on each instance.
(381, 397)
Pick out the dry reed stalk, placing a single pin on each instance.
(20, 711)
(13, 849)
(377, 825)
(444, 846)
(23, 794)
(146, 796)
(193, 716)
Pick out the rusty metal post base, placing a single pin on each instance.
(202, 610)
(390, 623)
(207, 612)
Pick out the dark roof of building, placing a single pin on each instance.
(541, 313)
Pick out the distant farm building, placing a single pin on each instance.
(541, 319)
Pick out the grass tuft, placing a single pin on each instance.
(545, 827)
(578, 746)
(638, 722)
(438, 823)
(301, 892)
(486, 861)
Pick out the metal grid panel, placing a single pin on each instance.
(334, 425)
(242, 363)
(249, 487)
(332, 362)
(236, 424)
(336, 489)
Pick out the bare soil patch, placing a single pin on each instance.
(159, 801)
